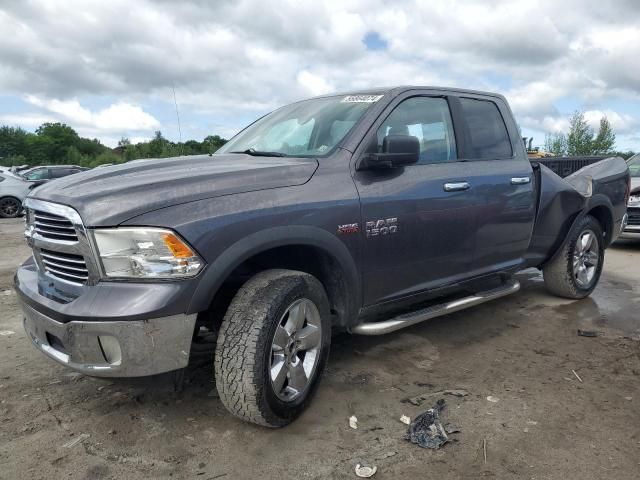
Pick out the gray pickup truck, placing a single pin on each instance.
(363, 212)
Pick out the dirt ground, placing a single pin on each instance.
(521, 350)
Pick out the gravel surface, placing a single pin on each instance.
(539, 400)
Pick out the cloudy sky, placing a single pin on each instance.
(107, 68)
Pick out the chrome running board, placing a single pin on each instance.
(411, 318)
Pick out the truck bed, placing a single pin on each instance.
(565, 166)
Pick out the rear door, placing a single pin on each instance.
(501, 177)
(419, 221)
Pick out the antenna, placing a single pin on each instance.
(178, 116)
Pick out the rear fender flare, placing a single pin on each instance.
(595, 201)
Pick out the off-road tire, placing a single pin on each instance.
(559, 278)
(243, 350)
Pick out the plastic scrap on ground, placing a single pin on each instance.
(365, 472)
(427, 430)
(353, 422)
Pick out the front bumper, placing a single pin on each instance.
(631, 228)
(110, 329)
(114, 348)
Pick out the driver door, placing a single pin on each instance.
(420, 220)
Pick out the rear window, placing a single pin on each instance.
(489, 137)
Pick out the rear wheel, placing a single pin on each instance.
(273, 346)
(10, 207)
(575, 271)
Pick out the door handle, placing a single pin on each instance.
(520, 180)
(456, 186)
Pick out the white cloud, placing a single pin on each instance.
(621, 123)
(314, 84)
(119, 117)
(230, 58)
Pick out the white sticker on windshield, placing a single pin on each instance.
(361, 98)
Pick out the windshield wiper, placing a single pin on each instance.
(259, 153)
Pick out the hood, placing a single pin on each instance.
(109, 196)
(635, 183)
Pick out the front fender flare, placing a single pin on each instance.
(218, 271)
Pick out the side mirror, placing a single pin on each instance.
(397, 151)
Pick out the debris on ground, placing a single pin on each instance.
(419, 399)
(384, 455)
(75, 441)
(449, 428)
(587, 333)
(363, 471)
(577, 376)
(6, 333)
(427, 431)
(493, 399)
(406, 420)
(484, 449)
(353, 422)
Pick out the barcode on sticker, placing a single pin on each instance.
(361, 98)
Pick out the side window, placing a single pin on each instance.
(60, 172)
(429, 120)
(38, 174)
(489, 137)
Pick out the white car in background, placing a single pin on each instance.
(13, 190)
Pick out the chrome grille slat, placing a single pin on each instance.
(51, 225)
(50, 263)
(41, 230)
(67, 266)
(54, 257)
(67, 274)
(51, 217)
(54, 227)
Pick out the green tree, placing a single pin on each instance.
(556, 144)
(214, 142)
(157, 145)
(605, 140)
(13, 141)
(580, 137)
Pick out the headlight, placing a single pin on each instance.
(634, 200)
(145, 253)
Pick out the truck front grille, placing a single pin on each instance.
(65, 266)
(59, 241)
(54, 227)
(634, 216)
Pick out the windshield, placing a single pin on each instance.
(634, 165)
(308, 128)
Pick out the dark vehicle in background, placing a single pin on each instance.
(49, 172)
(633, 208)
(366, 212)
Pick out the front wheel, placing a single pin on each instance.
(575, 271)
(273, 346)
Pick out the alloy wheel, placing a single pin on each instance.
(295, 350)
